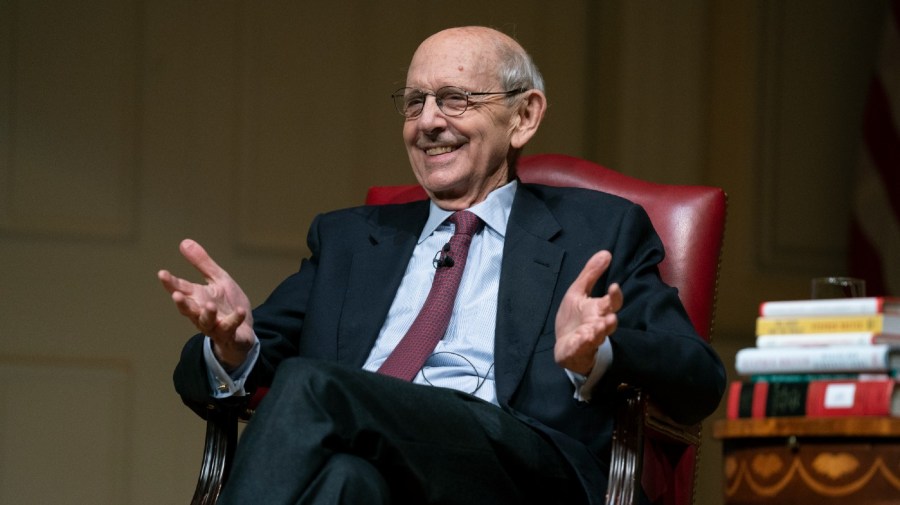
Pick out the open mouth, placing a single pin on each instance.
(434, 151)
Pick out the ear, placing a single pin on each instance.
(529, 115)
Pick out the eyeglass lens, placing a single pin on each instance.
(451, 100)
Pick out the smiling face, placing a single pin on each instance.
(459, 160)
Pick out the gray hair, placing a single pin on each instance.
(517, 69)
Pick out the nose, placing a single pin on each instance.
(432, 117)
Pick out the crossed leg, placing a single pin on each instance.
(328, 434)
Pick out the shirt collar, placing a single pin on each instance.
(494, 211)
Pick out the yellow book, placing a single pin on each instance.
(875, 323)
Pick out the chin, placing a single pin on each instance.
(439, 172)
(441, 185)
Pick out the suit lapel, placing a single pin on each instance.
(375, 273)
(531, 265)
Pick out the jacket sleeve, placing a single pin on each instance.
(655, 345)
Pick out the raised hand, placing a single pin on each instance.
(219, 308)
(583, 322)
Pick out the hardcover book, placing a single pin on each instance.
(830, 359)
(872, 323)
(823, 339)
(816, 398)
(830, 307)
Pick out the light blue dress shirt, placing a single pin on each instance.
(464, 358)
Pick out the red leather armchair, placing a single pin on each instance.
(648, 448)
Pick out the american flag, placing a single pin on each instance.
(874, 251)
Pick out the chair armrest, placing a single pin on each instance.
(221, 442)
(649, 448)
(626, 460)
(218, 454)
(662, 427)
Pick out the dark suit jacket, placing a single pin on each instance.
(335, 305)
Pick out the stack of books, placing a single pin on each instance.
(817, 358)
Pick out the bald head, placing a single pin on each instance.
(511, 65)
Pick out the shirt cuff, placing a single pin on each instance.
(226, 384)
(584, 385)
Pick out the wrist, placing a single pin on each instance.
(229, 360)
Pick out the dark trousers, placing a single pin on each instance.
(329, 434)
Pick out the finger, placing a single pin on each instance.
(616, 298)
(590, 274)
(591, 336)
(597, 327)
(207, 319)
(172, 283)
(200, 259)
(186, 306)
(610, 324)
(230, 323)
(167, 280)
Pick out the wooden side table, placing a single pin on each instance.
(819, 461)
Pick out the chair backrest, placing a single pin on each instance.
(690, 220)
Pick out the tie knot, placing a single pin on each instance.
(466, 222)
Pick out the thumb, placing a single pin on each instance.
(590, 274)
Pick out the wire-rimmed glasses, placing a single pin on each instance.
(451, 100)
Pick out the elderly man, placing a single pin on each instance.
(461, 350)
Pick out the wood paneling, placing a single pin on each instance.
(65, 432)
(69, 92)
(815, 68)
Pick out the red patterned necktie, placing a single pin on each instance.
(428, 329)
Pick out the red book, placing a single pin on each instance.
(853, 398)
(816, 398)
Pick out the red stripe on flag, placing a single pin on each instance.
(865, 261)
(895, 10)
(883, 143)
(870, 249)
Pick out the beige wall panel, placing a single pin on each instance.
(299, 94)
(6, 53)
(557, 35)
(813, 86)
(64, 432)
(662, 90)
(69, 141)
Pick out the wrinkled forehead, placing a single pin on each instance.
(454, 60)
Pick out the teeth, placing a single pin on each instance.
(434, 151)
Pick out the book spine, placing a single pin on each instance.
(842, 324)
(807, 377)
(854, 358)
(816, 339)
(850, 398)
(763, 399)
(796, 308)
(817, 398)
(733, 400)
(746, 399)
(760, 395)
